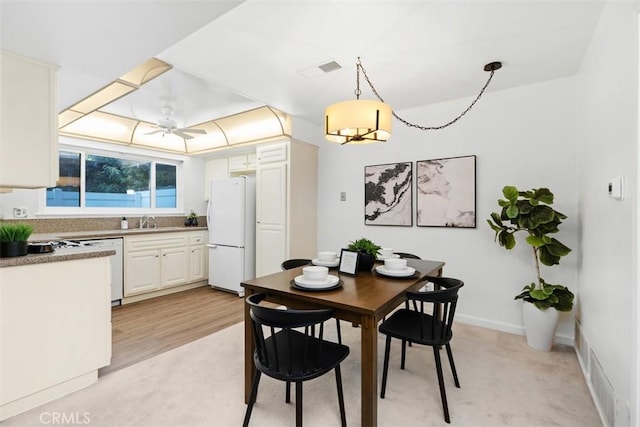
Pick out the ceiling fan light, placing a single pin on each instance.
(360, 121)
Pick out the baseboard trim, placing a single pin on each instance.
(507, 327)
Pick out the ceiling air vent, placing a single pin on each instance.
(330, 66)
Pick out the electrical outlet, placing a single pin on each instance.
(343, 196)
(20, 212)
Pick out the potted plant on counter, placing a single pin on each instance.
(192, 219)
(367, 253)
(14, 239)
(530, 211)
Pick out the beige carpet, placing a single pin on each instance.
(504, 383)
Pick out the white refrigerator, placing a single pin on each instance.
(231, 220)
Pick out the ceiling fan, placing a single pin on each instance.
(168, 126)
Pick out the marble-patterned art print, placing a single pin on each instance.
(446, 192)
(387, 194)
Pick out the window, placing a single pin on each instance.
(98, 181)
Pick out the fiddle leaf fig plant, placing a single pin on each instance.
(530, 212)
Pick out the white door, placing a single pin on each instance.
(226, 268)
(271, 217)
(227, 212)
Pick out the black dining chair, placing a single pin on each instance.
(407, 255)
(293, 355)
(294, 262)
(300, 262)
(427, 322)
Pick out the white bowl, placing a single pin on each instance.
(327, 256)
(395, 263)
(315, 272)
(386, 252)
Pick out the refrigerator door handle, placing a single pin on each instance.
(209, 245)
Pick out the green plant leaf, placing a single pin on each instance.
(535, 241)
(543, 195)
(558, 249)
(510, 193)
(512, 211)
(506, 239)
(546, 257)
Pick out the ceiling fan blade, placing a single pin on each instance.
(155, 131)
(200, 131)
(181, 134)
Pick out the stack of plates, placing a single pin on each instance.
(329, 282)
(333, 263)
(402, 272)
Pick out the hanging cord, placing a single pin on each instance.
(492, 67)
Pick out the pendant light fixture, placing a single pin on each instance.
(366, 121)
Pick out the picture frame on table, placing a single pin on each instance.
(348, 262)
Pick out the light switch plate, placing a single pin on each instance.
(615, 188)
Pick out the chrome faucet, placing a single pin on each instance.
(144, 221)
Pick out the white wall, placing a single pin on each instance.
(608, 301)
(523, 137)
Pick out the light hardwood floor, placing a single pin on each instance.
(146, 328)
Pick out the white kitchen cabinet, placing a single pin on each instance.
(215, 169)
(142, 272)
(28, 123)
(198, 258)
(161, 263)
(242, 163)
(286, 203)
(174, 263)
(237, 163)
(271, 217)
(55, 330)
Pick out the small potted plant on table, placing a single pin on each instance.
(14, 239)
(529, 211)
(367, 253)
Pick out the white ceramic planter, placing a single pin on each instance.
(540, 326)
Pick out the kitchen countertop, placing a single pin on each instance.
(82, 252)
(67, 254)
(105, 234)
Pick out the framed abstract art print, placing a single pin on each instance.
(446, 192)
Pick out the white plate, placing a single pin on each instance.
(382, 258)
(316, 284)
(334, 263)
(404, 272)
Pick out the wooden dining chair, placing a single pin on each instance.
(300, 262)
(427, 322)
(293, 355)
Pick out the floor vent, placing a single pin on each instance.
(330, 66)
(604, 393)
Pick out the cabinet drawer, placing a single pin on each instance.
(155, 242)
(271, 153)
(198, 239)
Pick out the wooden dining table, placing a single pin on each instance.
(363, 299)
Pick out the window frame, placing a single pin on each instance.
(83, 210)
